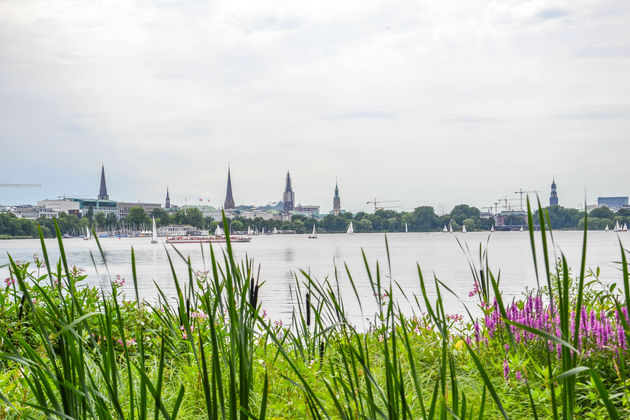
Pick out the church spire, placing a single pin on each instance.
(288, 198)
(553, 198)
(229, 199)
(168, 199)
(102, 195)
(336, 200)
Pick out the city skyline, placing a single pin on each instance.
(506, 202)
(430, 104)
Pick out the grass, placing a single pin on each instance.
(72, 351)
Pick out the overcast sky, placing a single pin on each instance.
(427, 102)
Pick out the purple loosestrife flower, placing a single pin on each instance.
(506, 369)
(518, 375)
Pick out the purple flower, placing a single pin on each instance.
(506, 369)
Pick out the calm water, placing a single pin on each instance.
(281, 255)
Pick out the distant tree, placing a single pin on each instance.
(424, 219)
(90, 214)
(137, 217)
(364, 225)
(602, 213)
(162, 217)
(463, 211)
(111, 221)
(100, 219)
(237, 225)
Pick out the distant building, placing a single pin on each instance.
(311, 210)
(336, 201)
(263, 214)
(124, 208)
(25, 212)
(97, 205)
(209, 211)
(102, 194)
(613, 203)
(553, 198)
(52, 208)
(229, 199)
(167, 204)
(288, 198)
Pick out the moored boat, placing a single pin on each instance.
(205, 239)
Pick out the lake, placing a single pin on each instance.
(280, 256)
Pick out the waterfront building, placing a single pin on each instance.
(97, 205)
(124, 208)
(102, 194)
(209, 211)
(553, 198)
(613, 203)
(167, 204)
(52, 208)
(336, 201)
(511, 220)
(288, 198)
(25, 212)
(263, 214)
(308, 209)
(229, 199)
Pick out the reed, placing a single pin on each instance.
(72, 351)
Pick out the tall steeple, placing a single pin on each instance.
(336, 201)
(229, 200)
(102, 195)
(288, 198)
(168, 200)
(553, 198)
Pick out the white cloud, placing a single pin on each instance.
(426, 102)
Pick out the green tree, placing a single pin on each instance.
(100, 219)
(137, 217)
(602, 213)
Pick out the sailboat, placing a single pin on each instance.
(350, 230)
(249, 231)
(154, 233)
(263, 230)
(607, 229)
(314, 234)
(87, 234)
(464, 229)
(617, 227)
(218, 231)
(521, 229)
(625, 227)
(406, 230)
(492, 228)
(450, 228)
(275, 231)
(445, 229)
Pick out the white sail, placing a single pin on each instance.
(521, 229)
(445, 229)
(492, 228)
(406, 230)
(463, 228)
(87, 233)
(249, 230)
(625, 227)
(450, 228)
(263, 231)
(350, 230)
(154, 233)
(617, 227)
(275, 231)
(218, 231)
(314, 234)
(606, 229)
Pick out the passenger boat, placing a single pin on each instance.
(205, 239)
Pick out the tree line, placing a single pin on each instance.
(421, 219)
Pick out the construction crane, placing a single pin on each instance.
(506, 203)
(378, 204)
(521, 192)
(20, 185)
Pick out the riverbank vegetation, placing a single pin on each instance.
(72, 351)
(421, 219)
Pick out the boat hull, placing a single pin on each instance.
(205, 239)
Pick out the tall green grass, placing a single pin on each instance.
(79, 352)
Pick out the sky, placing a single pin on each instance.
(426, 102)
